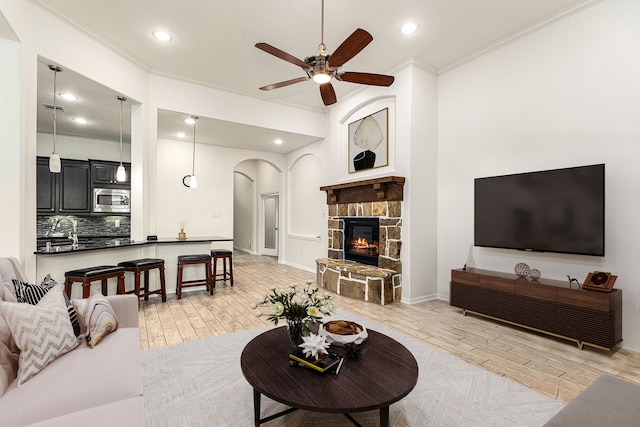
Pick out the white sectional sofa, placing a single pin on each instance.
(100, 386)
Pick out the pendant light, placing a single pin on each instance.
(121, 173)
(54, 159)
(191, 180)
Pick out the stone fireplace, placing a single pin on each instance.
(378, 200)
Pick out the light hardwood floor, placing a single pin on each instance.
(552, 366)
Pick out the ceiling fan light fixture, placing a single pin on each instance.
(321, 78)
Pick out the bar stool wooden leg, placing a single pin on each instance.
(162, 284)
(67, 286)
(86, 288)
(210, 282)
(215, 270)
(120, 289)
(231, 270)
(179, 281)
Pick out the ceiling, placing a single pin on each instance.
(214, 45)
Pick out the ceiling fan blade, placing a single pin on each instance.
(282, 55)
(328, 94)
(366, 78)
(349, 48)
(284, 83)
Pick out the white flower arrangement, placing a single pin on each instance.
(292, 302)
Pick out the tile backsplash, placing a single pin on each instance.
(88, 226)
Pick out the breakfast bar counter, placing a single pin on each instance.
(111, 243)
(93, 252)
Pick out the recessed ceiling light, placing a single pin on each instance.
(189, 121)
(278, 141)
(409, 28)
(181, 135)
(68, 96)
(162, 35)
(80, 120)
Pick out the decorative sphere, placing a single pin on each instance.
(534, 274)
(522, 269)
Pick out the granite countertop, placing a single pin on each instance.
(63, 246)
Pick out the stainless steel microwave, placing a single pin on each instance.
(111, 200)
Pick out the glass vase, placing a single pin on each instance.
(295, 330)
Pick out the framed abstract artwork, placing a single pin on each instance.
(369, 142)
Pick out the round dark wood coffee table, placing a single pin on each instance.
(384, 373)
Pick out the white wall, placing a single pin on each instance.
(566, 95)
(72, 147)
(306, 227)
(244, 196)
(12, 173)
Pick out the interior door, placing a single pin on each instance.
(270, 224)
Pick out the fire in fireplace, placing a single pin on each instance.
(361, 240)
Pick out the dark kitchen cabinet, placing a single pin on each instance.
(66, 192)
(103, 174)
(75, 187)
(47, 188)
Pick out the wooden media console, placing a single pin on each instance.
(549, 306)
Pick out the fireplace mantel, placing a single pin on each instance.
(389, 188)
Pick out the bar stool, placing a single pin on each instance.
(224, 255)
(142, 266)
(93, 274)
(194, 260)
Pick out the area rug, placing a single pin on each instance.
(200, 383)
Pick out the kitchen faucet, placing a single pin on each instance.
(73, 233)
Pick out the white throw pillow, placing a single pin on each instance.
(98, 316)
(42, 332)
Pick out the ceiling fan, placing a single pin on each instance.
(322, 66)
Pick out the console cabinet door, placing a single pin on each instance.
(46, 187)
(75, 187)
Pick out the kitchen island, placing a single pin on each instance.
(88, 253)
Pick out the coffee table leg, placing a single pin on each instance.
(384, 416)
(256, 407)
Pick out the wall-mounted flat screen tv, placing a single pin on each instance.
(560, 210)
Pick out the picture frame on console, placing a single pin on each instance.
(369, 142)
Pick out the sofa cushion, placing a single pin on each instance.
(32, 294)
(81, 379)
(42, 332)
(608, 401)
(129, 413)
(98, 316)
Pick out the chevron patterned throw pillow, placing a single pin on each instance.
(32, 294)
(42, 332)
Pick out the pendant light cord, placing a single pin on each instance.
(55, 106)
(122, 99)
(193, 164)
